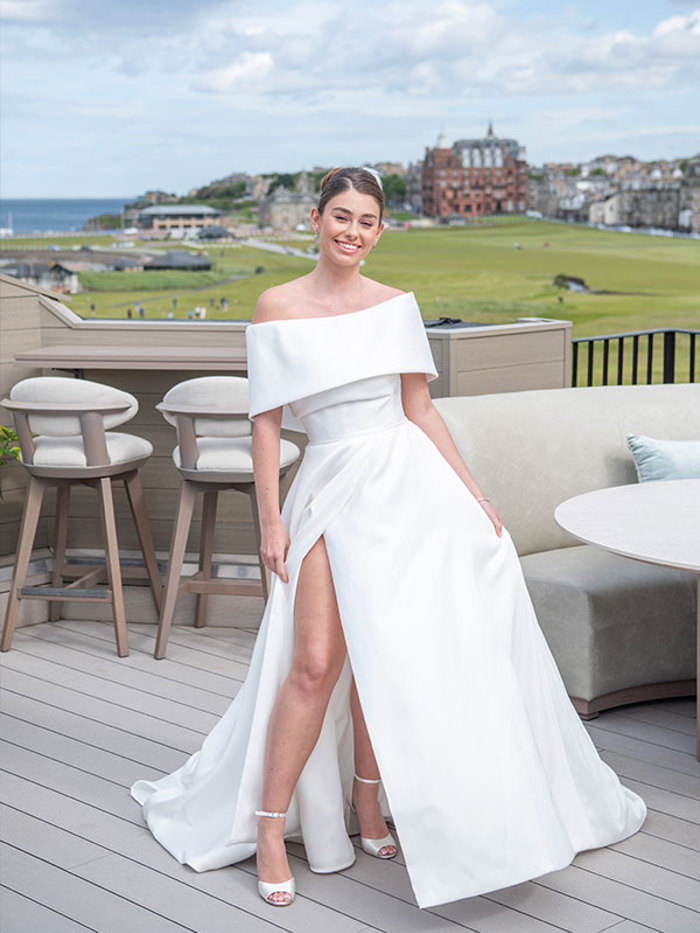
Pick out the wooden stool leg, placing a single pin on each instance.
(206, 548)
(30, 519)
(134, 492)
(177, 555)
(265, 572)
(114, 574)
(59, 553)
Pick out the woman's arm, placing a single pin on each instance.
(274, 540)
(419, 408)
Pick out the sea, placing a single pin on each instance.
(55, 215)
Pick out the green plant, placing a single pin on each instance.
(9, 448)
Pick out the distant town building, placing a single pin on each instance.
(689, 215)
(473, 177)
(284, 209)
(620, 191)
(157, 197)
(179, 259)
(414, 186)
(214, 232)
(650, 206)
(256, 187)
(390, 168)
(177, 217)
(56, 276)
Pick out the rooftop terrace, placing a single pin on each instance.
(80, 725)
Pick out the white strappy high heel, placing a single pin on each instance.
(267, 888)
(374, 846)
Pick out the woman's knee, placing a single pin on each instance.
(315, 672)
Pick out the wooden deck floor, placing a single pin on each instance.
(80, 725)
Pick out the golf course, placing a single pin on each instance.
(475, 273)
(490, 273)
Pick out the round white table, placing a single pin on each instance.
(657, 521)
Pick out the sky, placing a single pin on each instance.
(109, 99)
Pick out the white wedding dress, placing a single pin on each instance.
(488, 773)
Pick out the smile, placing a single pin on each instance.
(346, 247)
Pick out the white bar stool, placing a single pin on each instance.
(62, 426)
(213, 453)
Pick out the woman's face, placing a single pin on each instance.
(349, 226)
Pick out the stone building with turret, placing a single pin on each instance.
(283, 209)
(474, 177)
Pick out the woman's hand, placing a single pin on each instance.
(493, 515)
(274, 545)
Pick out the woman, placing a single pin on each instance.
(398, 638)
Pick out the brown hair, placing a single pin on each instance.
(341, 179)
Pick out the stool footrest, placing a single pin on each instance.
(63, 593)
(220, 587)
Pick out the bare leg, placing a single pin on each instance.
(369, 815)
(300, 706)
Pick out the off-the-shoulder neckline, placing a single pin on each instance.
(331, 317)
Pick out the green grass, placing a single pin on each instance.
(476, 274)
(158, 280)
(190, 292)
(473, 273)
(65, 241)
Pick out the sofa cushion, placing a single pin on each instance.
(69, 452)
(612, 622)
(531, 450)
(233, 455)
(661, 459)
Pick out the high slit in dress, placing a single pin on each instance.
(488, 773)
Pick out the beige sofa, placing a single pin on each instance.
(621, 630)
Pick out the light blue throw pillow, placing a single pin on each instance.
(655, 459)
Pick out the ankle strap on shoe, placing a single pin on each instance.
(269, 813)
(367, 780)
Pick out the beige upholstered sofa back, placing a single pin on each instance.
(531, 450)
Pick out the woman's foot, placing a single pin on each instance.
(369, 815)
(271, 858)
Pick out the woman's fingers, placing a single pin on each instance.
(281, 570)
(275, 563)
(495, 518)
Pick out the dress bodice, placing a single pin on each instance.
(358, 407)
(338, 372)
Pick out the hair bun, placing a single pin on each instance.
(325, 178)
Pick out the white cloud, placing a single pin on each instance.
(242, 75)
(29, 11)
(180, 91)
(463, 48)
(688, 23)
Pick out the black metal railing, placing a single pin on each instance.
(673, 367)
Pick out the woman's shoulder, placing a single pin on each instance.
(385, 292)
(279, 302)
(289, 301)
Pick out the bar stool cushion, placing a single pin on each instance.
(56, 390)
(233, 455)
(212, 392)
(69, 452)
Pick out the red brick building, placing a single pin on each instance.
(474, 177)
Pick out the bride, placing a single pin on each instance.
(399, 670)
